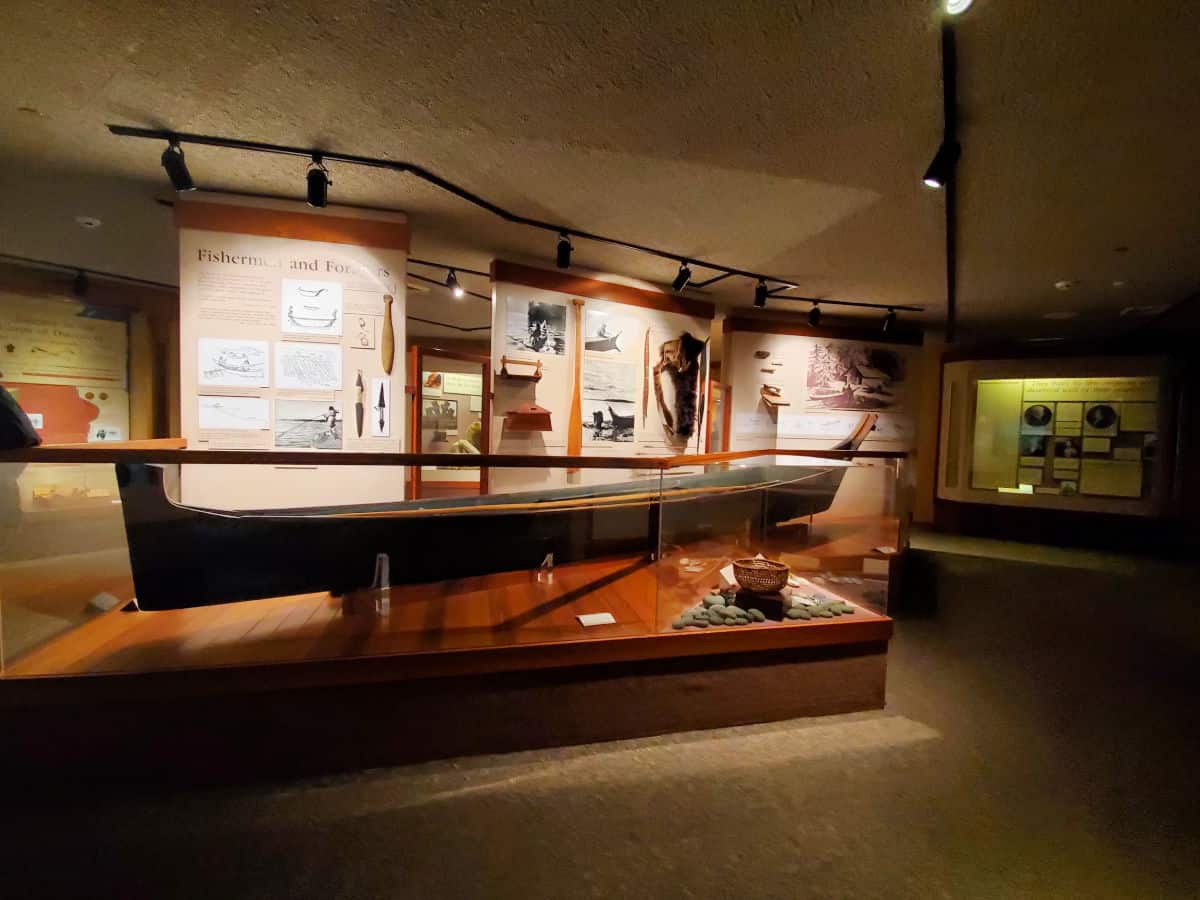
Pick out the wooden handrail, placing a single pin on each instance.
(108, 453)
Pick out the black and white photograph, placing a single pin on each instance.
(606, 421)
(609, 400)
(607, 330)
(307, 425)
(851, 376)
(1100, 420)
(537, 326)
(1067, 448)
(1037, 418)
(1033, 445)
(440, 415)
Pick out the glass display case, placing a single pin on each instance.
(1084, 435)
(131, 579)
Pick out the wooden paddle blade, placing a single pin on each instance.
(387, 341)
(575, 419)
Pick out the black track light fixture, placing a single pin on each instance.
(682, 279)
(889, 321)
(79, 287)
(318, 183)
(943, 164)
(563, 257)
(176, 167)
(760, 293)
(452, 282)
(814, 316)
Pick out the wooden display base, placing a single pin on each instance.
(486, 664)
(234, 734)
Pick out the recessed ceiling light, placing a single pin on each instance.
(957, 7)
(88, 222)
(1118, 284)
(1065, 314)
(1065, 285)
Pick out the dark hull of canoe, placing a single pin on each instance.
(185, 557)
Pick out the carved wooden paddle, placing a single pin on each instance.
(575, 419)
(387, 342)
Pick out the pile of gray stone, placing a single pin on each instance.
(719, 608)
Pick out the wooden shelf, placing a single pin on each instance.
(506, 375)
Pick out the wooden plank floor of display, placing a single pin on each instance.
(481, 624)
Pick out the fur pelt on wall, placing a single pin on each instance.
(680, 358)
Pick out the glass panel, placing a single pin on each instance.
(1066, 436)
(519, 565)
(63, 556)
(551, 553)
(777, 540)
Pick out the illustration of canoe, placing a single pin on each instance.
(184, 556)
(611, 342)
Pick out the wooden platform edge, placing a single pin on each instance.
(22, 691)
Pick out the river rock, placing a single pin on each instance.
(713, 600)
(757, 615)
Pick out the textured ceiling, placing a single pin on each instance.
(786, 138)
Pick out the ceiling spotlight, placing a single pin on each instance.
(942, 167)
(957, 7)
(177, 170)
(814, 316)
(318, 183)
(760, 293)
(889, 321)
(452, 283)
(564, 250)
(682, 279)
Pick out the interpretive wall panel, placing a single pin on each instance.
(808, 391)
(288, 335)
(624, 369)
(67, 367)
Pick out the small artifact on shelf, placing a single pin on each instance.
(763, 576)
(761, 354)
(527, 417)
(772, 396)
(527, 375)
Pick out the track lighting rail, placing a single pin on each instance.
(175, 139)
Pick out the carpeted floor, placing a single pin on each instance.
(1040, 740)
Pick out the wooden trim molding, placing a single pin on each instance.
(565, 283)
(293, 224)
(799, 326)
(837, 635)
(108, 453)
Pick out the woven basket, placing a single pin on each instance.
(764, 576)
